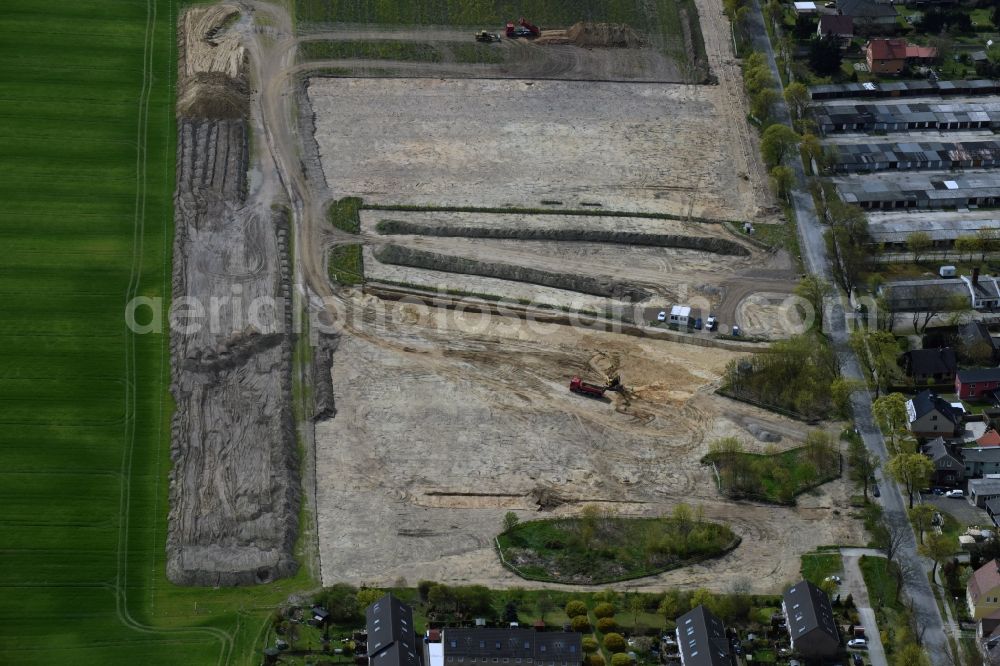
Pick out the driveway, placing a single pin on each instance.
(854, 584)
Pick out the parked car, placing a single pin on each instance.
(697, 324)
(955, 494)
(736, 331)
(834, 579)
(857, 644)
(712, 324)
(831, 5)
(662, 316)
(938, 491)
(858, 661)
(875, 491)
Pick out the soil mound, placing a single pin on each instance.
(213, 95)
(618, 35)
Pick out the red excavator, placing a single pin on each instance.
(522, 29)
(577, 385)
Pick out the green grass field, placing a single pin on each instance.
(87, 144)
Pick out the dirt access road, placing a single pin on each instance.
(431, 411)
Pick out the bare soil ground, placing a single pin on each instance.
(445, 422)
(628, 147)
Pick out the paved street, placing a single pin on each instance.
(916, 586)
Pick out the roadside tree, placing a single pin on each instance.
(912, 470)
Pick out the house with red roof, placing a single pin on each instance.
(890, 56)
(990, 438)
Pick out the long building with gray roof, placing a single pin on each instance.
(903, 156)
(907, 117)
(899, 190)
(922, 88)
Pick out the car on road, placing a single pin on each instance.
(875, 491)
(955, 494)
(834, 579)
(662, 316)
(857, 644)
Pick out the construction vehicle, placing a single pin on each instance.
(484, 36)
(522, 29)
(577, 385)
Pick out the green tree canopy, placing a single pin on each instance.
(777, 142)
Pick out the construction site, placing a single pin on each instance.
(503, 351)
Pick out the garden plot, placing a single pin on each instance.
(628, 147)
(464, 418)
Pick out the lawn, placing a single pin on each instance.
(665, 21)
(596, 549)
(346, 264)
(343, 214)
(776, 478)
(816, 567)
(86, 180)
(880, 581)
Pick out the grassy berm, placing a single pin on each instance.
(598, 548)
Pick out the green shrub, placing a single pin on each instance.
(575, 608)
(614, 643)
(606, 624)
(620, 659)
(604, 610)
(594, 659)
(589, 644)
(343, 214)
(580, 624)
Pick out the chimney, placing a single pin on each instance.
(975, 276)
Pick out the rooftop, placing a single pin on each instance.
(701, 638)
(808, 609)
(865, 9)
(979, 375)
(985, 579)
(513, 643)
(983, 486)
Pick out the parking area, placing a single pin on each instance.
(960, 509)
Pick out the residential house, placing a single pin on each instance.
(983, 591)
(982, 491)
(811, 626)
(976, 345)
(930, 365)
(890, 56)
(993, 510)
(984, 290)
(840, 27)
(977, 383)
(869, 15)
(702, 640)
(511, 645)
(929, 415)
(391, 639)
(980, 462)
(990, 439)
(949, 468)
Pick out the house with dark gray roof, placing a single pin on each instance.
(979, 462)
(513, 645)
(701, 639)
(982, 491)
(929, 415)
(934, 365)
(977, 383)
(949, 466)
(868, 13)
(391, 638)
(811, 626)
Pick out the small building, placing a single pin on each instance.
(930, 365)
(982, 491)
(977, 384)
(935, 295)
(868, 14)
(680, 315)
(805, 8)
(984, 290)
(993, 511)
(990, 439)
(511, 645)
(811, 626)
(979, 462)
(983, 591)
(702, 640)
(929, 415)
(890, 56)
(839, 27)
(949, 467)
